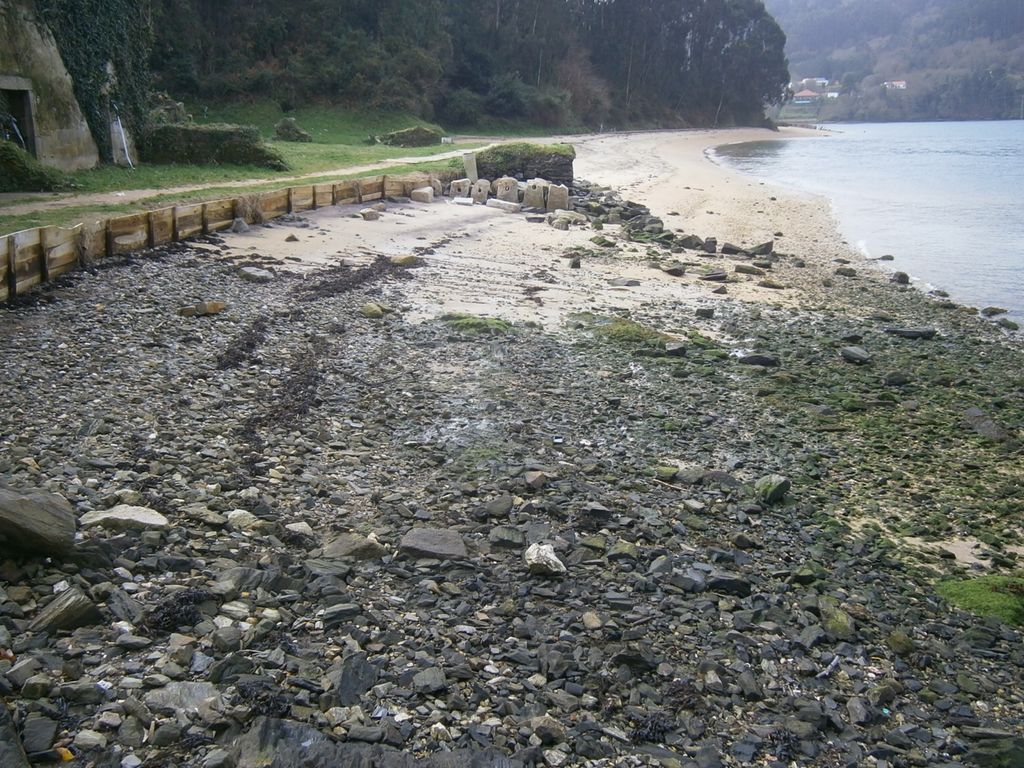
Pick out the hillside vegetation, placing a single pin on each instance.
(960, 60)
(563, 63)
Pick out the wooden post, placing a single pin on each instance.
(12, 275)
(44, 256)
(291, 192)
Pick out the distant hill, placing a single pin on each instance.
(958, 59)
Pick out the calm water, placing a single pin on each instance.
(945, 199)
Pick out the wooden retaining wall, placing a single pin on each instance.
(35, 256)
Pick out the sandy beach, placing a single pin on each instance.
(482, 261)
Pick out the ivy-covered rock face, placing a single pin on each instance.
(105, 46)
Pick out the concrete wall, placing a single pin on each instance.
(29, 58)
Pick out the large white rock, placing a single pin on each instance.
(542, 560)
(558, 198)
(125, 517)
(507, 189)
(463, 200)
(535, 193)
(469, 163)
(422, 195)
(461, 188)
(505, 206)
(481, 191)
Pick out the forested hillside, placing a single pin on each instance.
(960, 60)
(553, 62)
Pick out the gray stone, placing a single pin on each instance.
(239, 226)
(437, 543)
(38, 734)
(728, 583)
(68, 610)
(37, 687)
(11, 753)
(125, 517)
(87, 739)
(39, 523)
(219, 758)
(430, 680)
(356, 677)
(336, 615)
(227, 639)
(855, 355)
(256, 275)
(354, 546)
(370, 214)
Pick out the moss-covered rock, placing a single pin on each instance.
(216, 144)
(417, 136)
(20, 172)
(522, 160)
(287, 129)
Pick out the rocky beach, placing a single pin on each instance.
(671, 479)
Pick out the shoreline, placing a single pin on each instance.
(751, 486)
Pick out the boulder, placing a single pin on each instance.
(772, 489)
(855, 355)
(287, 129)
(38, 523)
(256, 275)
(353, 546)
(422, 195)
(11, 753)
(506, 189)
(417, 136)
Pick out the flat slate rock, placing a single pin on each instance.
(70, 609)
(437, 543)
(40, 523)
(125, 517)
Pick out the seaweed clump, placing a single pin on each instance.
(180, 609)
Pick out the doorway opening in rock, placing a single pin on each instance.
(16, 119)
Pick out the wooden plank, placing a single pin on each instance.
(394, 186)
(60, 250)
(6, 285)
(161, 226)
(274, 204)
(127, 233)
(323, 195)
(371, 188)
(188, 221)
(346, 193)
(219, 214)
(27, 246)
(94, 241)
(301, 198)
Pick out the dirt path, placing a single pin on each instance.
(28, 203)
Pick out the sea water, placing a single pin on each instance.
(946, 200)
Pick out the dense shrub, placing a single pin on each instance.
(527, 161)
(219, 144)
(508, 96)
(20, 172)
(461, 107)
